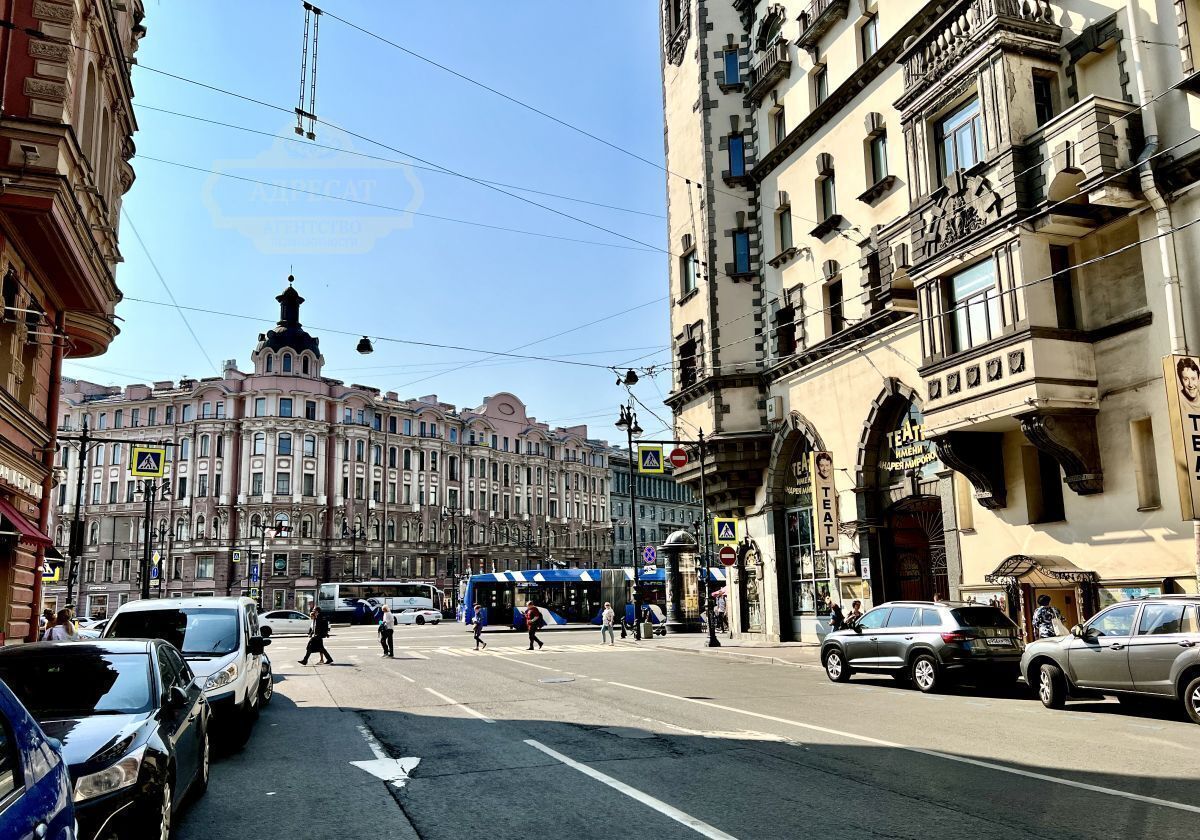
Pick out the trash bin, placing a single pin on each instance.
(647, 630)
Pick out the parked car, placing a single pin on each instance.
(926, 642)
(220, 639)
(1148, 648)
(35, 786)
(418, 616)
(285, 622)
(132, 723)
(94, 631)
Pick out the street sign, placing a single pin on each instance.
(650, 459)
(147, 461)
(155, 558)
(679, 457)
(237, 557)
(154, 573)
(728, 555)
(649, 555)
(649, 570)
(725, 531)
(51, 571)
(254, 573)
(866, 569)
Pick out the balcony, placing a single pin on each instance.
(818, 19)
(769, 70)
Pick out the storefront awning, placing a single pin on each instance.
(53, 553)
(22, 527)
(1040, 571)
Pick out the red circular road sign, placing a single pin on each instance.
(679, 457)
(728, 555)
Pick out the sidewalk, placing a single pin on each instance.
(796, 654)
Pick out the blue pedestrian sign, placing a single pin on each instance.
(254, 573)
(725, 531)
(650, 459)
(649, 555)
(147, 461)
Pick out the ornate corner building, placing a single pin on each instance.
(65, 146)
(315, 480)
(948, 243)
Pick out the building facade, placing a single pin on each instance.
(947, 244)
(65, 146)
(663, 505)
(316, 480)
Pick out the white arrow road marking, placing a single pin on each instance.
(394, 771)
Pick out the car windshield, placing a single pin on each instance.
(79, 684)
(196, 631)
(981, 617)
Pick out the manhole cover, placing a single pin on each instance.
(556, 679)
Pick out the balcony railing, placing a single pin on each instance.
(772, 67)
(818, 19)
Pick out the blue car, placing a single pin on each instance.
(35, 787)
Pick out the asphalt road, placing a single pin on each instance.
(584, 741)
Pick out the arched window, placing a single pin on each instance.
(283, 525)
(204, 444)
(391, 530)
(284, 444)
(304, 365)
(162, 526)
(255, 523)
(358, 524)
(306, 527)
(377, 455)
(310, 445)
(375, 535)
(218, 526)
(420, 531)
(199, 526)
(181, 529)
(260, 443)
(94, 533)
(270, 365)
(116, 454)
(406, 531)
(88, 133)
(99, 462)
(287, 362)
(185, 448)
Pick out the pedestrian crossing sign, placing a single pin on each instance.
(725, 531)
(147, 461)
(650, 459)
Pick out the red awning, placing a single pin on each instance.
(27, 531)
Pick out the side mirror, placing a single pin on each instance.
(257, 645)
(176, 697)
(266, 632)
(1077, 631)
(857, 628)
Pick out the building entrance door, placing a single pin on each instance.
(919, 549)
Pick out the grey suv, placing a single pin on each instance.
(927, 642)
(1135, 649)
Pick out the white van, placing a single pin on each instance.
(221, 641)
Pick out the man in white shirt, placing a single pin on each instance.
(387, 626)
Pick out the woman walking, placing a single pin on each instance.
(317, 633)
(63, 629)
(606, 624)
(477, 624)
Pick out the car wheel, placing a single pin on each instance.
(1052, 686)
(420, 619)
(835, 666)
(1191, 699)
(925, 675)
(164, 813)
(266, 690)
(201, 784)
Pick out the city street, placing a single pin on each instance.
(580, 740)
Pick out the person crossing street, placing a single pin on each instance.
(387, 629)
(533, 623)
(318, 631)
(477, 622)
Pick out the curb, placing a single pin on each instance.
(755, 658)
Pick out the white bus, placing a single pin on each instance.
(357, 601)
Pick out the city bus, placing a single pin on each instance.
(350, 601)
(564, 596)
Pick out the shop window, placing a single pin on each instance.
(1145, 464)
(959, 137)
(972, 306)
(1043, 486)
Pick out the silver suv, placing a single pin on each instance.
(1134, 650)
(927, 642)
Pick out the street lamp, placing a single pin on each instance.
(628, 423)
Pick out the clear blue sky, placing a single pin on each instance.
(229, 245)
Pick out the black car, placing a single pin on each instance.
(133, 726)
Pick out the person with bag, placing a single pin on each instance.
(477, 624)
(317, 632)
(606, 624)
(63, 629)
(1045, 619)
(533, 623)
(387, 629)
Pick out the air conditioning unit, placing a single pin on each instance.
(774, 409)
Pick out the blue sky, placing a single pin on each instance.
(227, 244)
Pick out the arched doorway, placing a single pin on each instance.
(918, 542)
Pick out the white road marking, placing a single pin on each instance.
(520, 662)
(415, 655)
(987, 765)
(394, 771)
(465, 708)
(406, 677)
(699, 826)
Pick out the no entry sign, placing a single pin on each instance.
(679, 457)
(728, 555)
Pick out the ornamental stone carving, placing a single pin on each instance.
(675, 42)
(965, 205)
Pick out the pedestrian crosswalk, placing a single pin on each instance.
(446, 650)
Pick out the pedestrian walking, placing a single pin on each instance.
(387, 628)
(477, 624)
(854, 615)
(837, 620)
(606, 624)
(1044, 618)
(720, 606)
(44, 622)
(318, 631)
(63, 629)
(533, 623)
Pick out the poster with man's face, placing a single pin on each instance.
(825, 508)
(1182, 377)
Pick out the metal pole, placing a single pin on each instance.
(149, 489)
(637, 600)
(713, 641)
(76, 540)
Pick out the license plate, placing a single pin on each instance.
(1000, 642)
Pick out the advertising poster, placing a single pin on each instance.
(1181, 374)
(825, 512)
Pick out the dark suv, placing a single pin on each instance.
(1139, 649)
(926, 641)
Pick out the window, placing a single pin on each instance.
(287, 362)
(783, 228)
(220, 445)
(1064, 286)
(1043, 97)
(1116, 621)
(408, 427)
(310, 445)
(152, 416)
(185, 449)
(1043, 486)
(778, 125)
(359, 485)
(170, 418)
(112, 492)
(741, 252)
(202, 485)
(285, 403)
(820, 84)
(204, 567)
(973, 307)
(1161, 619)
(204, 445)
(256, 484)
(827, 189)
(284, 444)
(270, 365)
(283, 483)
(260, 407)
(360, 450)
(875, 618)
(182, 492)
(733, 74)
(134, 416)
(309, 486)
(879, 162)
(310, 409)
(1145, 465)
(737, 156)
(187, 414)
(903, 617)
(868, 36)
(304, 365)
(220, 410)
(260, 443)
(116, 454)
(959, 137)
(834, 307)
(687, 273)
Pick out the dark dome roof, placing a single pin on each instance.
(289, 334)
